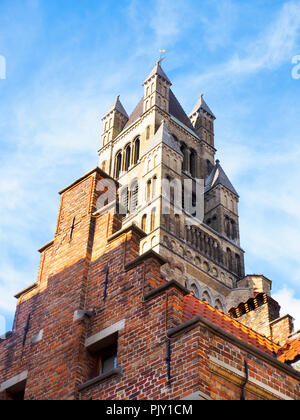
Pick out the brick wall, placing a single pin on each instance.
(99, 268)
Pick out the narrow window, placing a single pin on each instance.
(136, 151)
(153, 212)
(229, 259)
(193, 158)
(154, 185)
(144, 223)
(148, 132)
(118, 165)
(134, 197)
(149, 190)
(127, 157)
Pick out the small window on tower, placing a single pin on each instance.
(148, 133)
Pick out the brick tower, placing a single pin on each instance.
(134, 302)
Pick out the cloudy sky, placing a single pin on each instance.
(67, 60)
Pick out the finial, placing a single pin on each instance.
(161, 58)
(217, 162)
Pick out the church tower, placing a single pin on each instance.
(153, 154)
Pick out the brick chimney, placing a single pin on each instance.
(262, 314)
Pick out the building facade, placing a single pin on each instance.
(146, 303)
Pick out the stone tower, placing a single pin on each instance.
(159, 145)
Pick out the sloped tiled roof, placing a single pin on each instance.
(290, 351)
(218, 176)
(201, 104)
(194, 307)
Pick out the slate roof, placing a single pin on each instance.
(136, 114)
(163, 135)
(218, 177)
(118, 106)
(201, 104)
(158, 70)
(175, 109)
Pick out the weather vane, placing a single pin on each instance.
(161, 58)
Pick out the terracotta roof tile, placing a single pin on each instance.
(290, 351)
(194, 307)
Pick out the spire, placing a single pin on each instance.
(218, 177)
(159, 72)
(202, 105)
(117, 106)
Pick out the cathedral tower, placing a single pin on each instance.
(158, 148)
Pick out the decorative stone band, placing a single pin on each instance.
(14, 382)
(237, 377)
(102, 338)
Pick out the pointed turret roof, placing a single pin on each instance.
(163, 135)
(117, 106)
(201, 104)
(159, 71)
(218, 177)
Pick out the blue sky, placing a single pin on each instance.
(67, 60)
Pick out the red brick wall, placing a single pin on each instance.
(71, 277)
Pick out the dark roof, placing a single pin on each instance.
(163, 135)
(117, 105)
(158, 70)
(175, 109)
(201, 104)
(137, 112)
(218, 177)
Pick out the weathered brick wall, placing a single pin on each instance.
(72, 277)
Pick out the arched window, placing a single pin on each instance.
(193, 159)
(144, 223)
(233, 229)
(229, 259)
(127, 158)
(124, 201)
(177, 225)
(134, 194)
(218, 305)
(227, 227)
(136, 151)
(208, 167)
(238, 265)
(148, 192)
(118, 164)
(205, 297)
(148, 132)
(183, 149)
(154, 186)
(194, 290)
(153, 214)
